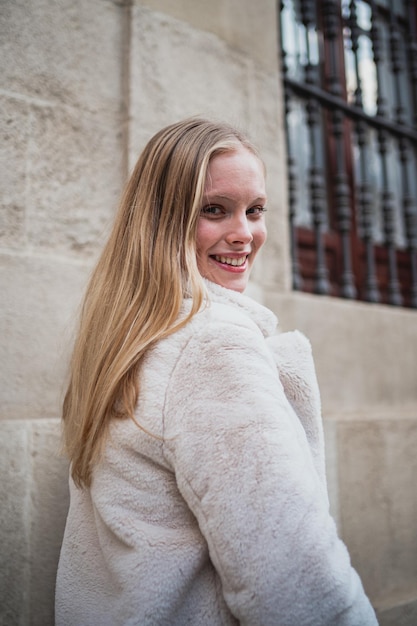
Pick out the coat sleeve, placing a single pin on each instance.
(243, 464)
(293, 357)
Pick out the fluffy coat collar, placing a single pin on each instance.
(265, 319)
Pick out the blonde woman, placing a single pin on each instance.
(198, 493)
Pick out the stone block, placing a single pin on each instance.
(41, 296)
(365, 355)
(14, 531)
(34, 504)
(50, 499)
(247, 26)
(175, 73)
(401, 615)
(264, 121)
(62, 173)
(60, 51)
(275, 276)
(14, 133)
(74, 165)
(378, 505)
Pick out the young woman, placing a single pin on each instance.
(198, 492)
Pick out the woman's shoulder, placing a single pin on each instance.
(224, 308)
(216, 327)
(226, 319)
(220, 324)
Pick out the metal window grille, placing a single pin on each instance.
(350, 83)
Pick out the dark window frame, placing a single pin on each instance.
(334, 255)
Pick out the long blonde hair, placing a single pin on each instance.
(136, 290)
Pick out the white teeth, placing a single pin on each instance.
(230, 261)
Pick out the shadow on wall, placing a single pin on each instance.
(34, 501)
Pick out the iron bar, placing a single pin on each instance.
(354, 38)
(317, 198)
(365, 214)
(352, 112)
(341, 187)
(412, 55)
(394, 294)
(297, 281)
(397, 66)
(410, 217)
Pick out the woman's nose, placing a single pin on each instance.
(239, 230)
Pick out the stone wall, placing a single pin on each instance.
(84, 85)
(62, 163)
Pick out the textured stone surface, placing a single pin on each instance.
(405, 614)
(163, 92)
(378, 496)
(75, 178)
(366, 355)
(240, 23)
(14, 133)
(15, 514)
(61, 51)
(34, 504)
(62, 122)
(49, 497)
(179, 70)
(36, 324)
(275, 272)
(61, 176)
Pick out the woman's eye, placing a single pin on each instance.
(256, 210)
(211, 210)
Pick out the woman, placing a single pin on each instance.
(198, 491)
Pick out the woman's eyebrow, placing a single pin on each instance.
(210, 197)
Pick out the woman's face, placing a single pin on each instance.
(231, 227)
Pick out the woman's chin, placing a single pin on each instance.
(235, 282)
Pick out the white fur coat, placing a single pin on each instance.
(222, 517)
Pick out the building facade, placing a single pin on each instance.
(84, 85)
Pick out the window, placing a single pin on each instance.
(350, 84)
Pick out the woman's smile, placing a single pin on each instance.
(233, 262)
